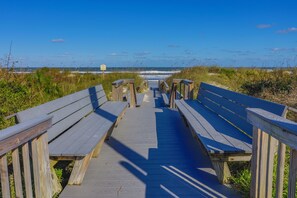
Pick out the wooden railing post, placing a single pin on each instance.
(117, 90)
(133, 99)
(281, 154)
(173, 94)
(263, 151)
(22, 136)
(41, 167)
(292, 173)
(191, 91)
(186, 90)
(255, 161)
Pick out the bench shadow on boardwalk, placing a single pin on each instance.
(174, 168)
(174, 165)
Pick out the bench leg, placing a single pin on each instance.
(109, 132)
(222, 171)
(98, 147)
(56, 185)
(120, 117)
(79, 169)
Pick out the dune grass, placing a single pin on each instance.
(22, 91)
(279, 86)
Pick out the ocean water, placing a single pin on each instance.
(148, 73)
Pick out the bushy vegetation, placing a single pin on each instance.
(22, 91)
(279, 85)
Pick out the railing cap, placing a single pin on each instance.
(120, 82)
(274, 119)
(165, 84)
(186, 81)
(13, 130)
(279, 127)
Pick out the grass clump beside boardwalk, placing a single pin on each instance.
(22, 91)
(279, 85)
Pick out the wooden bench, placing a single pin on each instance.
(164, 90)
(81, 123)
(218, 120)
(117, 92)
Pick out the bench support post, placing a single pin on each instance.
(133, 99)
(117, 93)
(222, 170)
(79, 169)
(98, 147)
(56, 186)
(173, 95)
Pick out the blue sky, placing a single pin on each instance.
(149, 33)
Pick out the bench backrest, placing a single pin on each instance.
(68, 110)
(232, 105)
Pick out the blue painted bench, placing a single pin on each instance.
(218, 120)
(81, 123)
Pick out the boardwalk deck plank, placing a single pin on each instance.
(150, 154)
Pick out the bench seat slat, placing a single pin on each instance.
(70, 143)
(165, 98)
(204, 136)
(217, 135)
(139, 98)
(231, 133)
(83, 137)
(114, 107)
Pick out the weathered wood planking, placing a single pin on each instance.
(216, 134)
(80, 122)
(4, 177)
(247, 101)
(139, 99)
(270, 128)
(55, 105)
(67, 110)
(218, 118)
(16, 137)
(148, 156)
(231, 105)
(165, 99)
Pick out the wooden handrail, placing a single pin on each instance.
(117, 90)
(26, 137)
(163, 86)
(271, 131)
(188, 88)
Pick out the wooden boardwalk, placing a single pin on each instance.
(150, 154)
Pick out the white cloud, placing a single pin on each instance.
(115, 54)
(278, 49)
(142, 54)
(173, 46)
(285, 31)
(264, 26)
(58, 40)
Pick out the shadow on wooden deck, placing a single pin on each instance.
(150, 154)
(176, 168)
